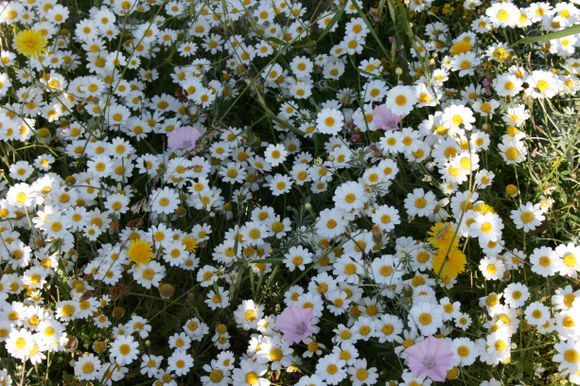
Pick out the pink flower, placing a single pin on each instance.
(385, 119)
(431, 358)
(295, 323)
(487, 85)
(183, 138)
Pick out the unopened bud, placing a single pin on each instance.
(99, 346)
(43, 132)
(118, 312)
(453, 373)
(71, 344)
(166, 290)
(221, 328)
(511, 190)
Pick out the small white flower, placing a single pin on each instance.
(329, 121)
(275, 154)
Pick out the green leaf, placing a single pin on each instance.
(276, 40)
(337, 16)
(550, 36)
(271, 260)
(374, 34)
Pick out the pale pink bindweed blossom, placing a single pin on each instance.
(183, 138)
(487, 85)
(431, 357)
(295, 323)
(385, 119)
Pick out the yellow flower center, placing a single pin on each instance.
(425, 319)
(527, 217)
(571, 356)
(568, 322)
(250, 315)
(252, 378)
(569, 260)
(124, 349)
(331, 369)
(503, 15)
(216, 376)
(275, 354)
(88, 368)
(20, 343)
(401, 100)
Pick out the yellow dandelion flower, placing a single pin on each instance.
(139, 251)
(190, 243)
(448, 266)
(500, 54)
(29, 42)
(461, 47)
(442, 236)
(483, 208)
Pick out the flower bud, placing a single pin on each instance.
(221, 328)
(118, 312)
(166, 290)
(43, 132)
(511, 190)
(71, 344)
(99, 346)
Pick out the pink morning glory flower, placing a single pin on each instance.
(183, 138)
(385, 119)
(295, 323)
(431, 358)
